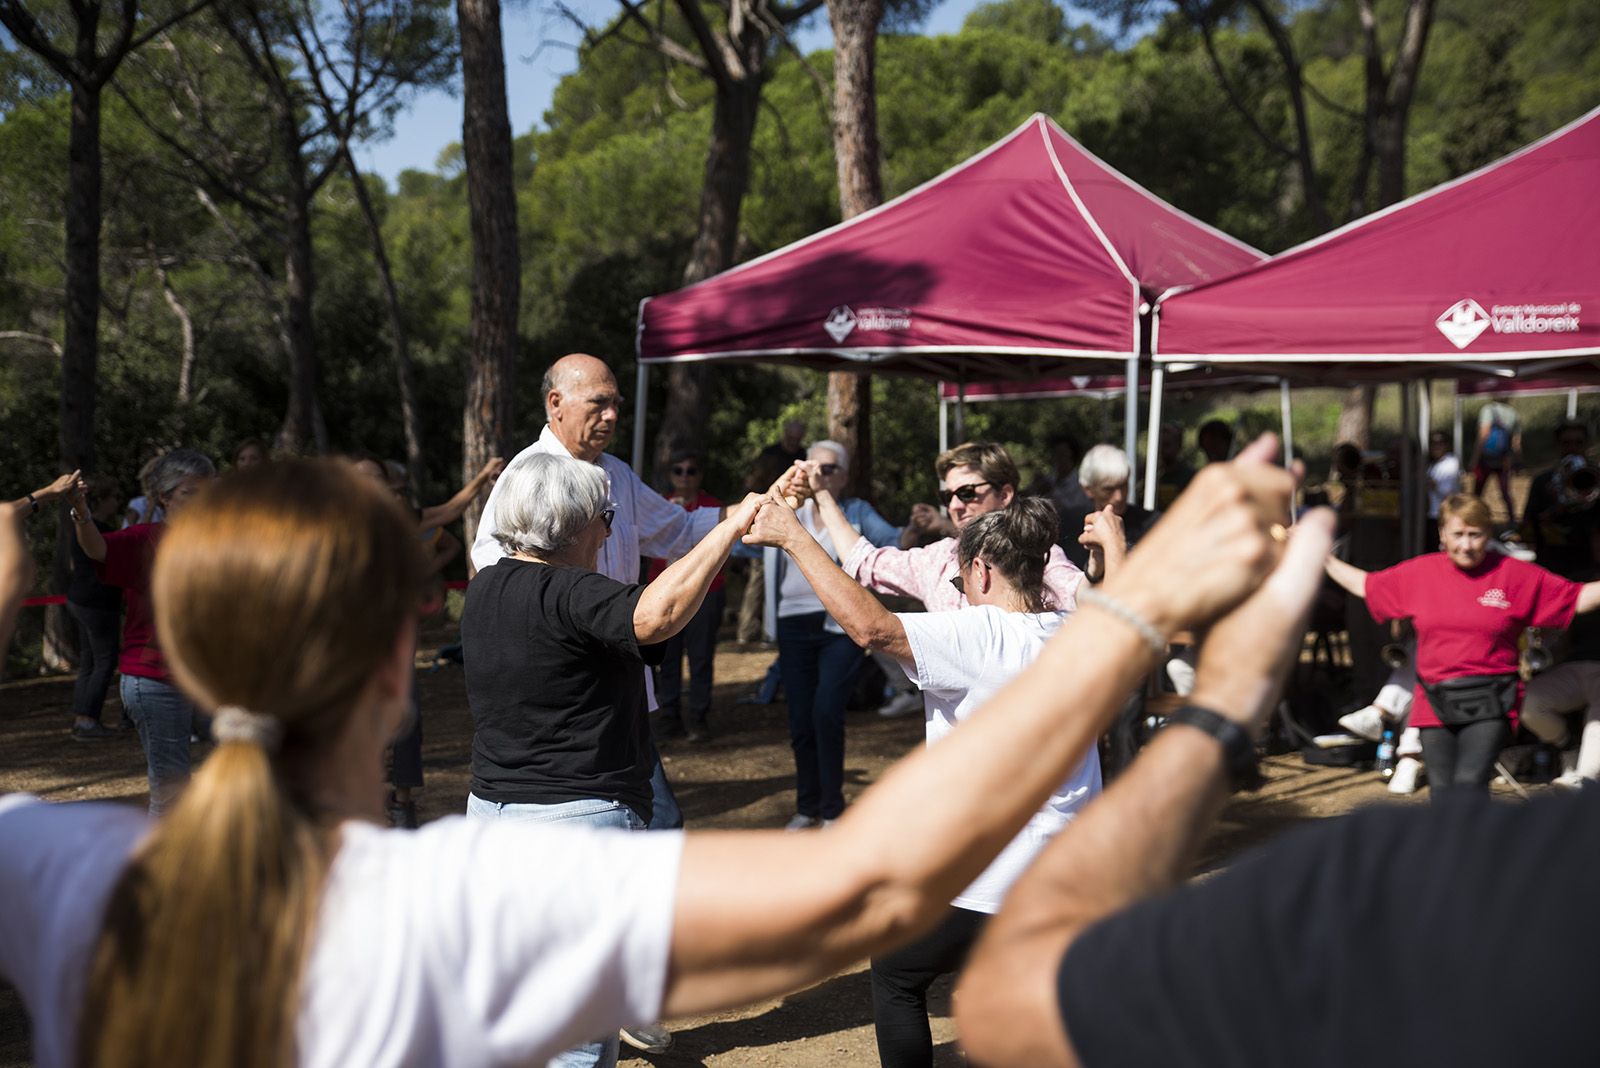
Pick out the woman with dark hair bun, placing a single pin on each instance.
(958, 660)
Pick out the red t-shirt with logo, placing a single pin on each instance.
(130, 557)
(1468, 622)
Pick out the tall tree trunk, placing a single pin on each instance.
(302, 422)
(496, 265)
(733, 125)
(855, 153)
(1355, 416)
(404, 378)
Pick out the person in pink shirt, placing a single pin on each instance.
(1469, 607)
(975, 478)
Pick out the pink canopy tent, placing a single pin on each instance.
(1570, 381)
(1029, 252)
(1497, 268)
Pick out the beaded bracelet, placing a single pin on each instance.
(1152, 637)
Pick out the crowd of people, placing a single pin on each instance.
(276, 609)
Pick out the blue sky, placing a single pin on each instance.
(539, 51)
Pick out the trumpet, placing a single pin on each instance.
(1395, 655)
(1577, 485)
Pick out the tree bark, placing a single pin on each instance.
(855, 153)
(1355, 416)
(404, 378)
(80, 342)
(302, 422)
(1294, 84)
(186, 329)
(496, 265)
(727, 177)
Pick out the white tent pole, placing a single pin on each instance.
(1288, 422)
(1158, 378)
(641, 386)
(1130, 415)
(1572, 404)
(1456, 442)
(944, 420)
(961, 409)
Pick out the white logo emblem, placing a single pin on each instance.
(1495, 598)
(839, 323)
(1462, 324)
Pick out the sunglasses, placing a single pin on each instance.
(607, 515)
(964, 494)
(826, 470)
(957, 581)
(686, 470)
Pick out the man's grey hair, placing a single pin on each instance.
(175, 466)
(834, 447)
(544, 502)
(546, 385)
(1103, 464)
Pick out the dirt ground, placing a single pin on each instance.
(742, 778)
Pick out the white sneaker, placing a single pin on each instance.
(1406, 774)
(1365, 723)
(651, 1038)
(802, 823)
(901, 703)
(1569, 780)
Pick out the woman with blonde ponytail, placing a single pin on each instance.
(271, 919)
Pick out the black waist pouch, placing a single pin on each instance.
(1472, 698)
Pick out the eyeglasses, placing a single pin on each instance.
(686, 470)
(606, 515)
(965, 494)
(827, 470)
(957, 581)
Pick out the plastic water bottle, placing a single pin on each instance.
(1386, 747)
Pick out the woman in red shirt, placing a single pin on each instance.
(1469, 606)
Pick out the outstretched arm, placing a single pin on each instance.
(1350, 577)
(863, 617)
(439, 515)
(1141, 836)
(760, 913)
(90, 540)
(1588, 598)
(667, 604)
(59, 487)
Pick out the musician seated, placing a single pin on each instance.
(1561, 520)
(1551, 699)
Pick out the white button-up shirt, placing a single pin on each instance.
(645, 523)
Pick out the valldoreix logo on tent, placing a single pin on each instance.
(839, 323)
(1463, 322)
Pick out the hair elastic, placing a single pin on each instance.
(235, 724)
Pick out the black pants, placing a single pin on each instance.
(405, 759)
(98, 632)
(900, 982)
(1461, 758)
(699, 640)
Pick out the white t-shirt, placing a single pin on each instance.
(468, 942)
(1444, 478)
(795, 595)
(959, 660)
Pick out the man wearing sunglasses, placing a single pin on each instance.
(975, 478)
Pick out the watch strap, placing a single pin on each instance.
(1238, 748)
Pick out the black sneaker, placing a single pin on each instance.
(95, 732)
(696, 730)
(402, 814)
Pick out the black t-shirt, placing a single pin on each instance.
(555, 683)
(1459, 934)
(1562, 536)
(84, 587)
(1136, 523)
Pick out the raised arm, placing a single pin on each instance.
(1350, 577)
(58, 487)
(1139, 839)
(667, 604)
(863, 617)
(90, 540)
(1106, 541)
(760, 913)
(439, 515)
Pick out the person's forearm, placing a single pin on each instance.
(1351, 578)
(438, 515)
(863, 617)
(1588, 597)
(909, 536)
(667, 604)
(892, 864)
(840, 532)
(16, 570)
(90, 540)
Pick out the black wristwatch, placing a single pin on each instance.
(33, 505)
(1238, 748)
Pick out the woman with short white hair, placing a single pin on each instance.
(1104, 473)
(553, 650)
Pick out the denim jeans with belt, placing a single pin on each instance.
(164, 718)
(595, 812)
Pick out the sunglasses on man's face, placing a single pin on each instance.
(686, 470)
(964, 494)
(828, 470)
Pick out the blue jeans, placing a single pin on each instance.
(818, 667)
(594, 812)
(665, 815)
(163, 717)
